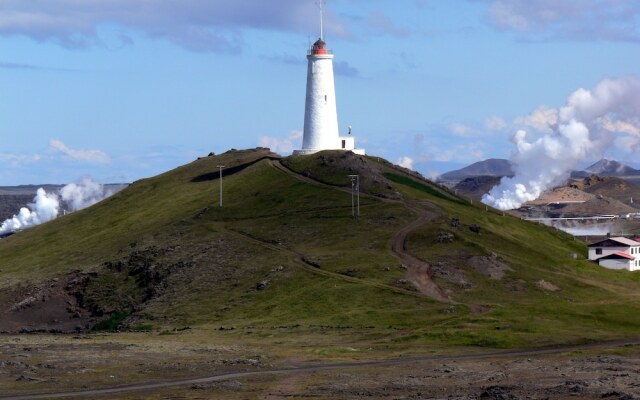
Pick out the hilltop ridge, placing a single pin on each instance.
(606, 167)
(493, 167)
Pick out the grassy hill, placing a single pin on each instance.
(284, 260)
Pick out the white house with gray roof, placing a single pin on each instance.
(616, 253)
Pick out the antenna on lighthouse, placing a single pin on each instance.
(321, 4)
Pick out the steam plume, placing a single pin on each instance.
(589, 124)
(84, 194)
(47, 206)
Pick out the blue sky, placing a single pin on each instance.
(125, 89)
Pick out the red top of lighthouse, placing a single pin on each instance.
(319, 47)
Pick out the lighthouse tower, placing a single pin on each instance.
(320, 115)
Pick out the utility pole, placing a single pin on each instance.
(220, 167)
(358, 193)
(355, 192)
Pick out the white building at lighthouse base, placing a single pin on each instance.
(346, 143)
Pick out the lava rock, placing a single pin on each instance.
(445, 237)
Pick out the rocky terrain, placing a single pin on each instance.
(220, 371)
(75, 302)
(534, 377)
(570, 201)
(624, 191)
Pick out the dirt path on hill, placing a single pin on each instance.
(311, 267)
(515, 357)
(419, 273)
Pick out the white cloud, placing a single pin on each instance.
(18, 160)
(284, 145)
(461, 130)
(496, 124)
(626, 143)
(198, 25)
(405, 162)
(543, 119)
(461, 151)
(609, 20)
(91, 156)
(629, 127)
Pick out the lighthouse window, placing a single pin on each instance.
(325, 98)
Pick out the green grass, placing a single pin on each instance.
(590, 301)
(214, 258)
(142, 328)
(112, 324)
(430, 190)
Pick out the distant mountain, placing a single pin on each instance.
(497, 167)
(491, 167)
(606, 167)
(608, 179)
(28, 189)
(476, 186)
(50, 188)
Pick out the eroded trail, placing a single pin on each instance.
(418, 272)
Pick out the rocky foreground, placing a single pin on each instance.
(238, 373)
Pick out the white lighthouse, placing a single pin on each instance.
(320, 112)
